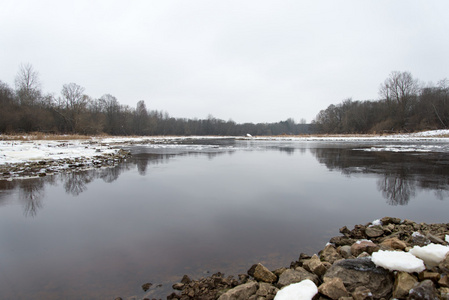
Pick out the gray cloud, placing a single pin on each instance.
(252, 61)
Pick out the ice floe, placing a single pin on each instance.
(431, 254)
(398, 261)
(304, 290)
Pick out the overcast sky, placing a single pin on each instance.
(249, 61)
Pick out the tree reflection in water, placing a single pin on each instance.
(401, 174)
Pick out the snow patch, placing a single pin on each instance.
(398, 261)
(431, 254)
(377, 222)
(304, 290)
(447, 238)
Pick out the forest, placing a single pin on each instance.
(27, 109)
(405, 105)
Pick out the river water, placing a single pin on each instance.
(204, 207)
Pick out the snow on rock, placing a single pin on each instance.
(398, 261)
(431, 254)
(447, 238)
(304, 290)
(377, 222)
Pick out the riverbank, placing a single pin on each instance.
(40, 155)
(384, 259)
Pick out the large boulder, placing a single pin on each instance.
(261, 273)
(362, 272)
(241, 292)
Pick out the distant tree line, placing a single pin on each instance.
(405, 105)
(27, 109)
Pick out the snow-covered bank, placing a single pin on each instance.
(20, 151)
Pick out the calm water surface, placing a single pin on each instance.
(199, 208)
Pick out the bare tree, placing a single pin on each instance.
(400, 88)
(28, 86)
(74, 103)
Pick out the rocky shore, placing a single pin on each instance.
(45, 167)
(371, 261)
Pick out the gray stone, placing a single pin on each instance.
(374, 231)
(403, 283)
(424, 290)
(293, 276)
(333, 288)
(241, 292)
(261, 273)
(345, 251)
(362, 272)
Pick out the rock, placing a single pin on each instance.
(333, 288)
(345, 251)
(434, 239)
(178, 286)
(363, 246)
(293, 276)
(403, 283)
(146, 286)
(444, 281)
(374, 231)
(342, 241)
(345, 231)
(389, 220)
(186, 279)
(393, 244)
(243, 278)
(279, 271)
(316, 266)
(266, 290)
(424, 291)
(261, 273)
(240, 292)
(330, 254)
(362, 272)
(362, 293)
(444, 293)
(434, 276)
(444, 264)
(417, 239)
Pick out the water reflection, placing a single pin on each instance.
(401, 175)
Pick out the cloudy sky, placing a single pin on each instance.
(249, 61)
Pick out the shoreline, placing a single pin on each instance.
(24, 157)
(349, 267)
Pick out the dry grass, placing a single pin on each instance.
(33, 136)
